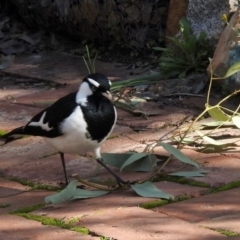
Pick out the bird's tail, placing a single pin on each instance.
(15, 134)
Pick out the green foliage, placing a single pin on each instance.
(106, 238)
(4, 205)
(159, 203)
(28, 209)
(45, 220)
(50, 221)
(2, 132)
(154, 204)
(130, 161)
(204, 142)
(90, 64)
(186, 55)
(227, 233)
(149, 79)
(189, 174)
(227, 186)
(148, 189)
(71, 192)
(181, 180)
(34, 186)
(175, 152)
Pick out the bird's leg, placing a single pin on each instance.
(64, 168)
(120, 182)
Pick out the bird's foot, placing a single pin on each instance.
(121, 182)
(67, 181)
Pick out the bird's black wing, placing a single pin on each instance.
(54, 116)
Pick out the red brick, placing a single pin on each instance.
(206, 207)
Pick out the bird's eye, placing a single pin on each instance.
(93, 88)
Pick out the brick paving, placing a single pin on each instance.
(118, 215)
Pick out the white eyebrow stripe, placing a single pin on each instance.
(93, 82)
(110, 83)
(40, 124)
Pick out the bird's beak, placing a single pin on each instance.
(107, 94)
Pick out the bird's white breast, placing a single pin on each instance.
(74, 140)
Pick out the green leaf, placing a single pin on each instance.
(82, 193)
(233, 69)
(217, 124)
(176, 153)
(130, 161)
(185, 28)
(236, 121)
(160, 49)
(133, 158)
(186, 140)
(144, 164)
(202, 37)
(189, 174)
(115, 159)
(152, 78)
(212, 141)
(148, 189)
(216, 113)
(182, 74)
(63, 196)
(209, 148)
(106, 182)
(71, 192)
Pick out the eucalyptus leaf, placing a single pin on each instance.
(152, 78)
(189, 174)
(216, 113)
(233, 69)
(63, 196)
(148, 189)
(212, 141)
(213, 149)
(82, 194)
(131, 161)
(217, 124)
(106, 182)
(176, 153)
(71, 192)
(115, 159)
(134, 157)
(186, 140)
(159, 49)
(236, 121)
(139, 163)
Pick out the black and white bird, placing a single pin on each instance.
(77, 123)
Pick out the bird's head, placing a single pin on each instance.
(95, 84)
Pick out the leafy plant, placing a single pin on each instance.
(182, 56)
(90, 64)
(126, 162)
(142, 80)
(203, 140)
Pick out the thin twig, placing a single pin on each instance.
(98, 186)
